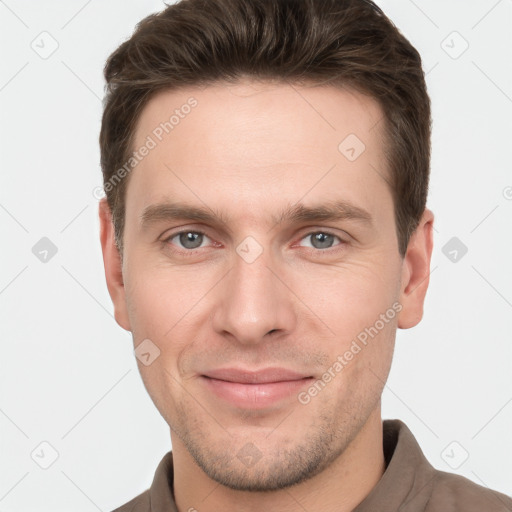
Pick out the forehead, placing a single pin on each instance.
(255, 108)
(250, 144)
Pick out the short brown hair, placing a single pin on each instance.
(332, 42)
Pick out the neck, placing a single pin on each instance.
(340, 487)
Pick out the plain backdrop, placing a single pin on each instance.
(68, 373)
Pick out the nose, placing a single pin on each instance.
(253, 300)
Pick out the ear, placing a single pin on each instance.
(113, 266)
(416, 272)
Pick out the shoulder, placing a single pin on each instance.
(455, 493)
(140, 503)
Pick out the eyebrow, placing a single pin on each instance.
(337, 210)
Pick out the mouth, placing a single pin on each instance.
(255, 389)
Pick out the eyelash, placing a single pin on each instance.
(193, 252)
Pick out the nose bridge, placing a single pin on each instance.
(253, 300)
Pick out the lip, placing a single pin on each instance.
(254, 389)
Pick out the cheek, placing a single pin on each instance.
(351, 298)
(162, 300)
(170, 307)
(360, 307)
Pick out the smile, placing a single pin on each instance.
(254, 389)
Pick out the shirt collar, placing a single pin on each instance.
(160, 493)
(407, 482)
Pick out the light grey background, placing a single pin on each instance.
(68, 374)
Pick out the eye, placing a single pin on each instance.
(188, 239)
(322, 239)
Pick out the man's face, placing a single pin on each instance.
(251, 312)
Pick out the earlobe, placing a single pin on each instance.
(416, 272)
(113, 266)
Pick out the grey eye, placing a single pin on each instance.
(190, 239)
(321, 240)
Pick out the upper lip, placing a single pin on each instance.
(262, 376)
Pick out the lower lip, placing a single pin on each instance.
(255, 396)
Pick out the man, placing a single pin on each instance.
(265, 233)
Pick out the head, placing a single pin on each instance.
(266, 169)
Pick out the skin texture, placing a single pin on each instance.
(249, 151)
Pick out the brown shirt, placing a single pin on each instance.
(409, 484)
